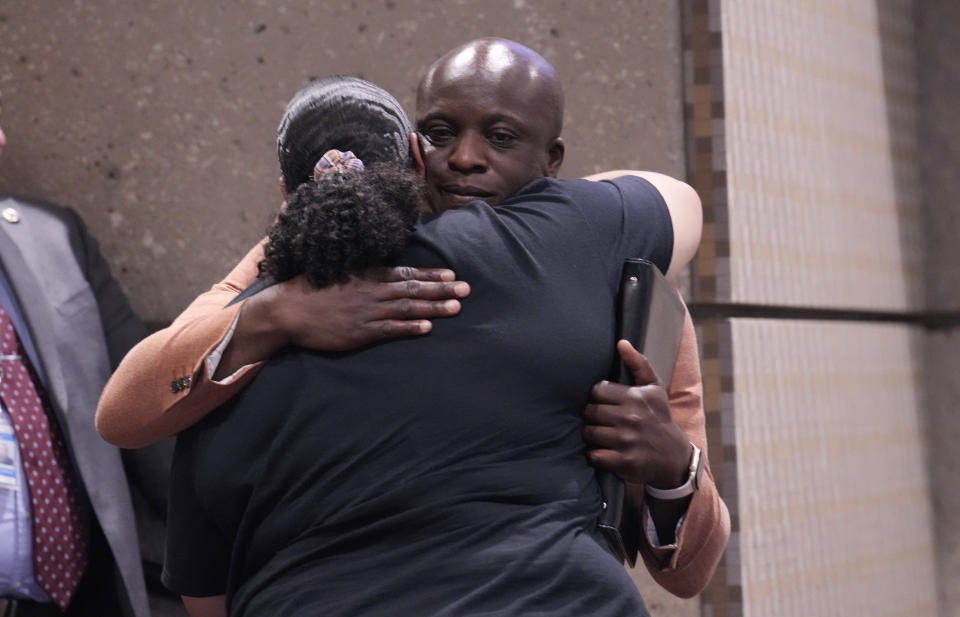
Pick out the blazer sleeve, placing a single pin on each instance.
(141, 403)
(685, 570)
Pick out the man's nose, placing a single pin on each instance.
(468, 155)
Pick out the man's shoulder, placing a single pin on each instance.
(35, 207)
(40, 226)
(630, 187)
(48, 238)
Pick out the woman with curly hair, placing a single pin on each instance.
(345, 213)
(354, 206)
(343, 222)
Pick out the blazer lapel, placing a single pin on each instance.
(35, 311)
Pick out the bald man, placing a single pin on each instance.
(490, 114)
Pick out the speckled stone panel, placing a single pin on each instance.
(156, 121)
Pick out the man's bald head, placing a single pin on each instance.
(502, 61)
(490, 114)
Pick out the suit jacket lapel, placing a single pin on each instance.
(35, 311)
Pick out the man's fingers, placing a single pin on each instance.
(392, 328)
(601, 415)
(604, 437)
(406, 273)
(407, 282)
(643, 373)
(423, 290)
(609, 392)
(406, 309)
(606, 459)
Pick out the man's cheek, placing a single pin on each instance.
(432, 157)
(434, 199)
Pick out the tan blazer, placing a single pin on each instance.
(148, 398)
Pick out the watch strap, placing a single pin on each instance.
(688, 487)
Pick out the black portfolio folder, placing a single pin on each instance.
(650, 315)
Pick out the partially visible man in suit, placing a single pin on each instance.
(68, 533)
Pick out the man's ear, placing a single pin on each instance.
(417, 154)
(555, 157)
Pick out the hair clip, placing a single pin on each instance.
(335, 161)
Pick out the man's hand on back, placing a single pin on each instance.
(382, 304)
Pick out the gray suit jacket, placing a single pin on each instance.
(81, 325)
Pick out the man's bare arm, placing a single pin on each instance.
(686, 212)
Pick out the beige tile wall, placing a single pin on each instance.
(802, 138)
(834, 511)
(821, 154)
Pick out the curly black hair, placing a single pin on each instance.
(344, 223)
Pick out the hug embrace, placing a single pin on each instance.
(444, 461)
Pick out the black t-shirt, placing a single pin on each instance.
(437, 475)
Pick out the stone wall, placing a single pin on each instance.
(157, 121)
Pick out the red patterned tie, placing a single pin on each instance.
(59, 550)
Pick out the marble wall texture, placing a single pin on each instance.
(157, 121)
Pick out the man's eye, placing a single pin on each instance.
(438, 135)
(501, 138)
